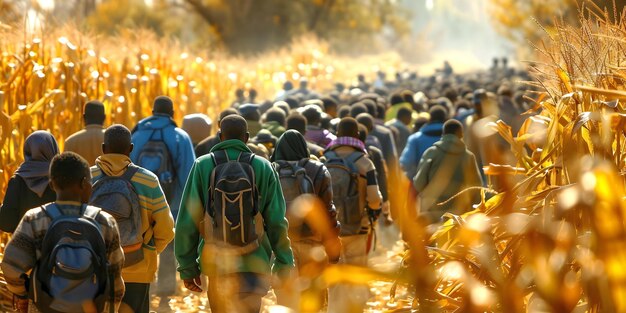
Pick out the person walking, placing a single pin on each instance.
(358, 200)
(134, 197)
(66, 252)
(88, 142)
(231, 220)
(313, 226)
(445, 171)
(165, 150)
(29, 187)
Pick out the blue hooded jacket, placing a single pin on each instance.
(178, 143)
(416, 145)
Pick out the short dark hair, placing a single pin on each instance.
(117, 139)
(93, 112)
(438, 114)
(363, 132)
(234, 127)
(407, 95)
(396, 98)
(163, 105)
(297, 121)
(313, 116)
(68, 169)
(348, 127)
(329, 103)
(357, 109)
(292, 102)
(404, 113)
(452, 127)
(366, 120)
(225, 113)
(343, 111)
(275, 115)
(371, 106)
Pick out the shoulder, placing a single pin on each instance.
(106, 220)
(34, 214)
(145, 177)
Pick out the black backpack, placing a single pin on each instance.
(233, 203)
(295, 180)
(73, 268)
(345, 176)
(117, 196)
(156, 157)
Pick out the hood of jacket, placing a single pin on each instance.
(157, 121)
(113, 164)
(432, 129)
(451, 144)
(234, 144)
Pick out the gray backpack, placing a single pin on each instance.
(295, 181)
(117, 196)
(345, 176)
(234, 201)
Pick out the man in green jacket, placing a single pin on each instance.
(446, 169)
(237, 280)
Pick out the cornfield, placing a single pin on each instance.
(554, 238)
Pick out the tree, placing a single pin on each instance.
(518, 20)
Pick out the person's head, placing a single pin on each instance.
(363, 132)
(297, 122)
(197, 126)
(313, 116)
(453, 127)
(252, 95)
(40, 146)
(93, 113)
(250, 112)
(366, 120)
(407, 95)
(361, 78)
(291, 146)
(438, 114)
(419, 123)
(275, 115)
(343, 111)
(163, 105)
(292, 102)
(451, 94)
(283, 106)
(234, 127)
(224, 114)
(348, 127)
(404, 115)
(380, 111)
(396, 98)
(370, 104)
(357, 109)
(70, 177)
(240, 93)
(304, 83)
(330, 106)
(288, 85)
(117, 140)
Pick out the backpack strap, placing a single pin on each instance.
(52, 210)
(219, 157)
(131, 170)
(352, 159)
(90, 212)
(331, 154)
(245, 157)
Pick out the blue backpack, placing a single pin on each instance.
(156, 157)
(72, 273)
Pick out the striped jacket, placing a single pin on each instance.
(156, 217)
(24, 249)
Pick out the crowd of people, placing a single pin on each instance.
(283, 189)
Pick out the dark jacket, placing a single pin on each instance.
(416, 145)
(204, 147)
(18, 199)
(446, 169)
(381, 170)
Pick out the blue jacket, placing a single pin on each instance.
(416, 145)
(178, 143)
